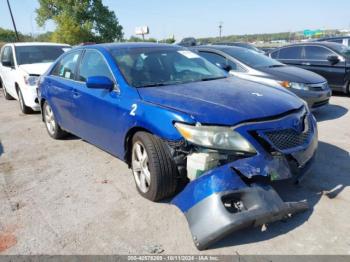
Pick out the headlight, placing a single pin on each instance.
(31, 80)
(215, 137)
(299, 86)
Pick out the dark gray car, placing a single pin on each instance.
(257, 67)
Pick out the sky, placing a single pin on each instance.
(201, 18)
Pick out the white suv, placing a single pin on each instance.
(20, 68)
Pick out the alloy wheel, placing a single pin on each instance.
(140, 167)
(49, 120)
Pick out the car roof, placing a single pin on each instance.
(37, 43)
(109, 46)
(222, 48)
(332, 38)
(330, 45)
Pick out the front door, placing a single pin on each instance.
(316, 60)
(97, 111)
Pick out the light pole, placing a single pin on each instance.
(220, 29)
(13, 20)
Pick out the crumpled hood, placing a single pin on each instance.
(224, 102)
(35, 69)
(293, 74)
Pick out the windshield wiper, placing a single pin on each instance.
(152, 85)
(271, 66)
(213, 78)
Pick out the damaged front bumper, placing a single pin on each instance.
(219, 203)
(236, 195)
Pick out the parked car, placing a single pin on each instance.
(253, 66)
(187, 42)
(20, 68)
(173, 116)
(241, 44)
(330, 60)
(344, 40)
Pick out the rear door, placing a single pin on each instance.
(61, 85)
(316, 59)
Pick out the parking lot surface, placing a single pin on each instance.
(69, 197)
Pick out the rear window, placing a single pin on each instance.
(38, 54)
(251, 58)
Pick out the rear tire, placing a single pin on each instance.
(25, 109)
(154, 170)
(52, 127)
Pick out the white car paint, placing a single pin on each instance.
(14, 77)
(259, 78)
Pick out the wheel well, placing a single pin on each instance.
(128, 141)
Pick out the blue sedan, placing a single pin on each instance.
(182, 124)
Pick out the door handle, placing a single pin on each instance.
(306, 63)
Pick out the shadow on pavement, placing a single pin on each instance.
(330, 112)
(329, 176)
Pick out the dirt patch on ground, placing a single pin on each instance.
(7, 239)
(6, 167)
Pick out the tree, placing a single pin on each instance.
(80, 21)
(7, 35)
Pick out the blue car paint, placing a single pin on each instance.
(82, 111)
(227, 105)
(106, 118)
(220, 179)
(262, 164)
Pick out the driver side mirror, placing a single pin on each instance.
(7, 63)
(333, 59)
(99, 82)
(225, 67)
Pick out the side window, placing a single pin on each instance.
(234, 66)
(7, 55)
(317, 53)
(290, 53)
(93, 64)
(66, 66)
(214, 58)
(220, 60)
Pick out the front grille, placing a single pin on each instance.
(318, 87)
(287, 138)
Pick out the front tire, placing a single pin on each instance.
(154, 170)
(6, 95)
(25, 109)
(52, 127)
